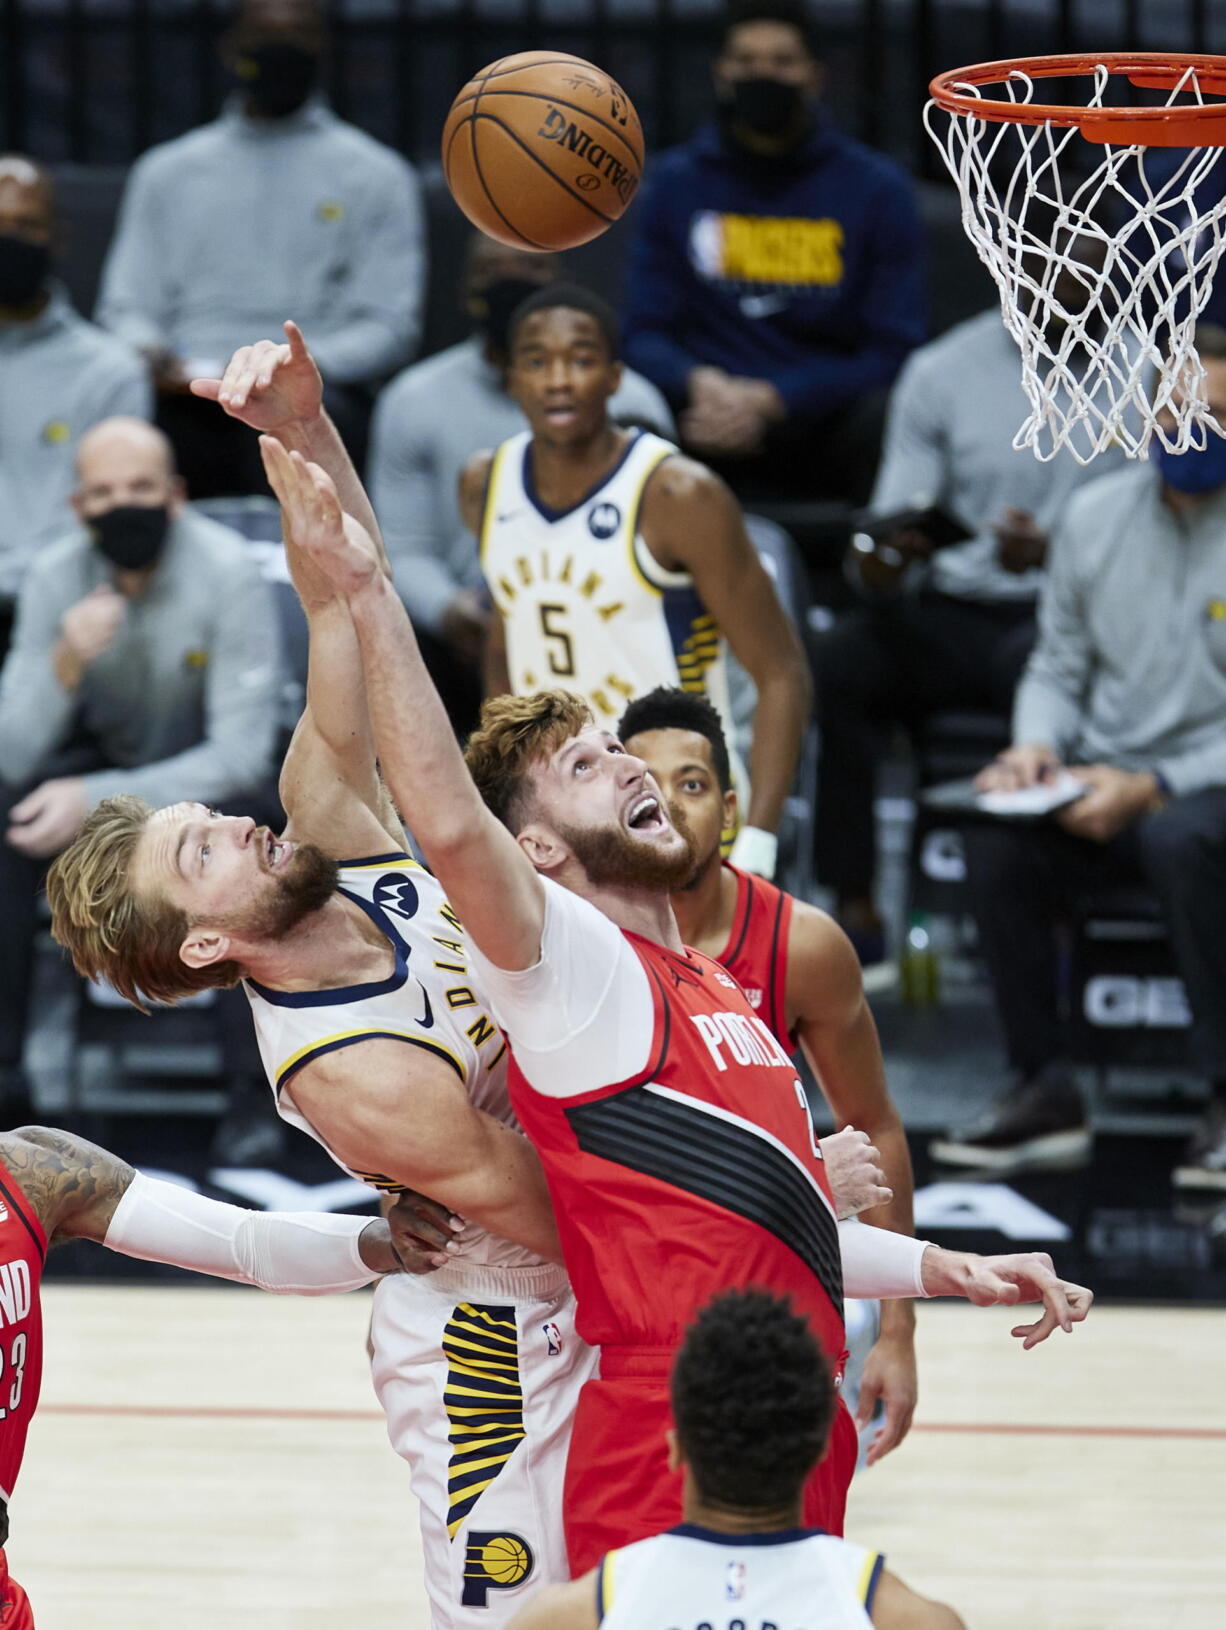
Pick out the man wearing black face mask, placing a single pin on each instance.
(776, 283)
(58, 376)
(144, 660)
(428, 423)
(275, 209)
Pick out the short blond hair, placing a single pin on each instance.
(515, 733)
(110, 929)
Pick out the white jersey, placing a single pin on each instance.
(585, 604)
(694, 1578)
(431, 1000)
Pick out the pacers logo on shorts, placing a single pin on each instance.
(494, 1561)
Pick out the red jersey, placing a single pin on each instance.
(23, 1250)
(756, 954)
(698, 1175)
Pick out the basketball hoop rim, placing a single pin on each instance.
(1184, 126)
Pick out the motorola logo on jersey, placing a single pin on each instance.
(398, 895)
(603, 520)
(494, 1561)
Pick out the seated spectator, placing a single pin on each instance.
(942, 628)
(776, 284)
(1127, 685)
(144, 661)
(427, 424)
(58, 376)
(277, 209)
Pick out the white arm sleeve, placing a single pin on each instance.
(309, 1253)
(880, 1263)
(582, 1016)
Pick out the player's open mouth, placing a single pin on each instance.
(646, 815)
(560, 413)
(276, 853)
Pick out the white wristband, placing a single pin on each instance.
(304, 1253)
(755, 850)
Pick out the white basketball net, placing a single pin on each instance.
(1095, 377)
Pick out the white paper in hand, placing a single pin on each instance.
(1041, 799)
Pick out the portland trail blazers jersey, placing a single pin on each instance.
(428, 1002)
(706, 1160)
(585, 605)
(691, 1576)
(23, 1250)
(756, 954)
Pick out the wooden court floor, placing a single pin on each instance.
(214, 1457)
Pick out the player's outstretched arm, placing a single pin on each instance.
(79, 1191)
(1008, 1281)
(487, 877)
(839, 1037)
(897, 1607)
(692, 523)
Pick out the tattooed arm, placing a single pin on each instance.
(79, 1191)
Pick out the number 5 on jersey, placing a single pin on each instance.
(562, 660)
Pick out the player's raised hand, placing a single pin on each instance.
(336, 545)
(421, 1232)
(268, 386)
(854, 1169)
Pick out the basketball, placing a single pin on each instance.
(542, 150)
(505, 1559)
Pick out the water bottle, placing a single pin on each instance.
(920, 972)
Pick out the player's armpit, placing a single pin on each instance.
(401, 1115)
(561, 1607)
(73, 1186)
(897, 1607)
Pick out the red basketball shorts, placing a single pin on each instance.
(15, 1612)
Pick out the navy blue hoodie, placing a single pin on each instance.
(806, 270)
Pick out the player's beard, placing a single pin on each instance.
(306, 886)
(613, 859)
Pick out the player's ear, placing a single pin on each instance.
(204, 947)
(730, 809)
(617, 372)
(543, 848)
(675, 1458)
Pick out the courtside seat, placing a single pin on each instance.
(948, 746)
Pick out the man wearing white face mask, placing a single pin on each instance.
(1127, 687)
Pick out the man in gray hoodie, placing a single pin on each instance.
(1127, 687)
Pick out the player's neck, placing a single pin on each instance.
(336, 946)
(724, 1520)
(565, 474)
(641, 911)
(705, 910)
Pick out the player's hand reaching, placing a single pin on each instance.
(1006, 1281)
(422, 1232)
(854, 1169)
(339, 547)
(268, 386)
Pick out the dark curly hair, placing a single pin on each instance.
(669, 708)
(753, 1401)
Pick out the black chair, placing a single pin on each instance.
(949, 746)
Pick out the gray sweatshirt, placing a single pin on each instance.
(949, 436)
(185, 700)
(225, 232)
(59, 375)
(428, 424)
(1130, 667)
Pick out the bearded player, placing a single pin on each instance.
(802, 978)
(673, 1131)
(55, 1187)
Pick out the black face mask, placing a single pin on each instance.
(131, 536)
(24, 268)
(278, 77)
(493, 307)
(768, 107)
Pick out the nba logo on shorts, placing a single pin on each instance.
(603, 520)
(734, 1582)
(554, 1337)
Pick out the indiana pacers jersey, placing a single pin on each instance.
(695, 1576)
(585, 605)
(428, 1002)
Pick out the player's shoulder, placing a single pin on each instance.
(821, 958)
(679, 479)
(475, 476)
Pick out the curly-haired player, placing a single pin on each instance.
(753, 1402)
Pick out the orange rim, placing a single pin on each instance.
(1185, 126)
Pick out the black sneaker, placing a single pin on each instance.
(1204, 1161)
(1038, 1124)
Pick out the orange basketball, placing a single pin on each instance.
(542, 150)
